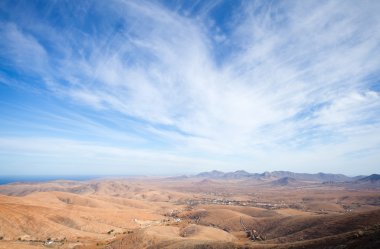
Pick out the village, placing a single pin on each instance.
(224, 201)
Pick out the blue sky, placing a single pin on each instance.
(172, 87)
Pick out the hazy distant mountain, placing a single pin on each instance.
(322, 177)
(285, 181)
(372, 181)
(266, 175)
(237, 174)
(212, 174)
(374, 178)
(240, 174)
(178, 177)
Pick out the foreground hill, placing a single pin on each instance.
(64, 215)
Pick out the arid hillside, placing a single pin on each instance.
(206, 211)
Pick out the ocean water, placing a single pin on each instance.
(10, 179)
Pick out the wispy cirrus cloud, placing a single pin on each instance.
(287, 85)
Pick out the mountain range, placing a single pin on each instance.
(275, 175)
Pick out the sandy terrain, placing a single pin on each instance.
(187, 213)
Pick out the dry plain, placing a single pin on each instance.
(202, 211)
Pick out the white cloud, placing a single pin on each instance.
(22, 49)
(292, 77)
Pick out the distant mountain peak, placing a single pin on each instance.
(284, 181)
(241, 172)
(371, 178)
(211, 174)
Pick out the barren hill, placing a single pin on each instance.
(285, 181)
(372, 178)
(188, 213)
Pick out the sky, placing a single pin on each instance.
(179, 87)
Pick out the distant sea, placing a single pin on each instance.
(10, 179)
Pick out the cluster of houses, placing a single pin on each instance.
(223, 201)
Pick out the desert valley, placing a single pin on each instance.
(209, 210)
